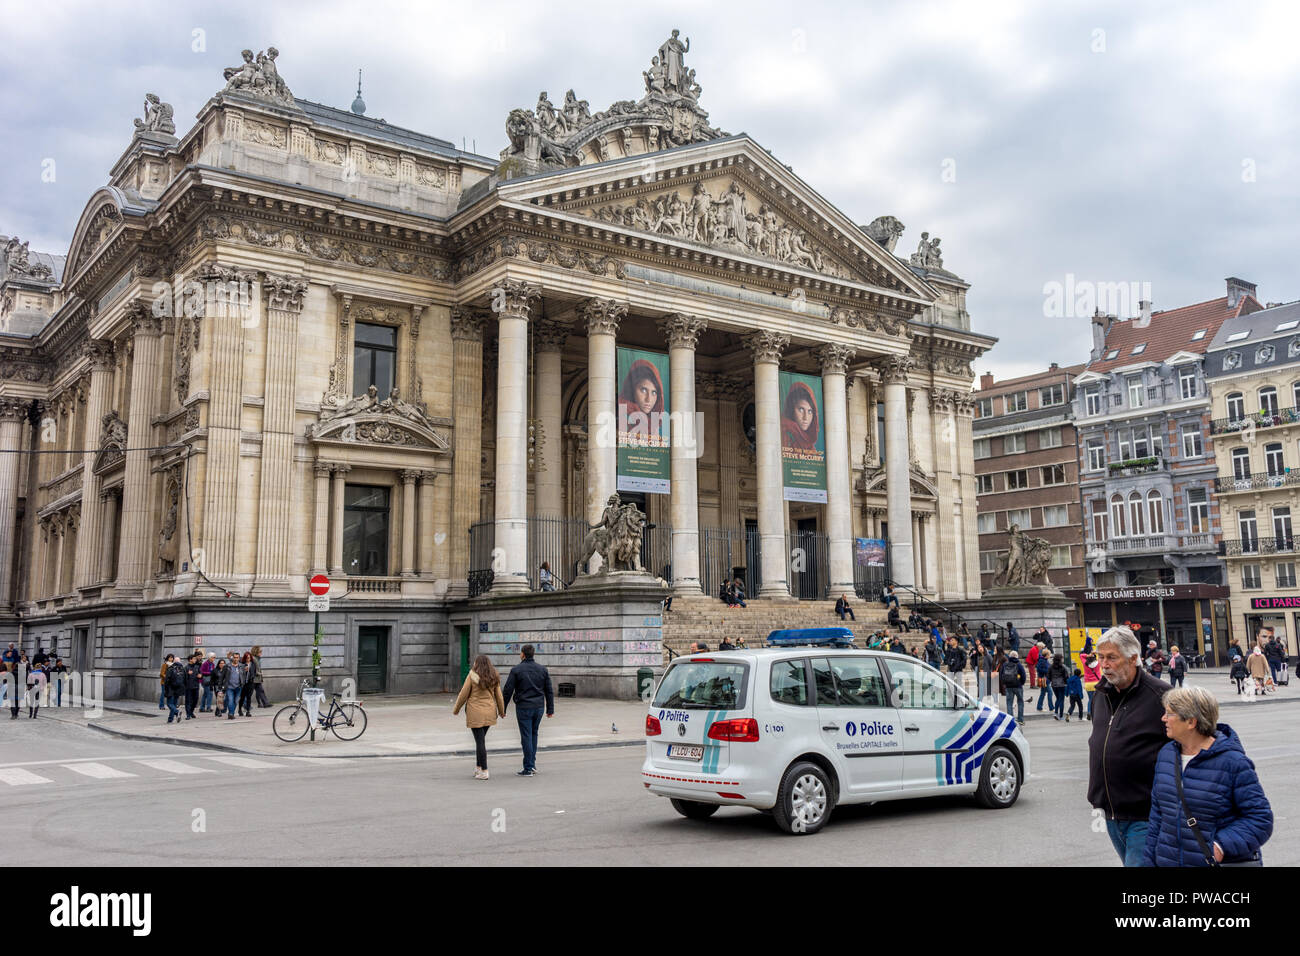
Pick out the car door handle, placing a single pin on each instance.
(912, 730)
(830, 726)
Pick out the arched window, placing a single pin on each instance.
(1156, 512)
(1268, 400)
(1236, 405)
(1117, 516)
(1135, 513)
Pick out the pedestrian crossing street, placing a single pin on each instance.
(71, 772)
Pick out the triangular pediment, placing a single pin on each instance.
(726, 199)
(379, 429)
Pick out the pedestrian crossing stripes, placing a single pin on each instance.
(98, 770)
(18, 777)
(247, 763)
(111, 769)
(172, 766)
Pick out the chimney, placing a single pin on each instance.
(1100, 326)
(1053, 367)
(1238, 289)
(986, 381)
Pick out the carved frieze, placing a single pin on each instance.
(264, 134)
(856, 319)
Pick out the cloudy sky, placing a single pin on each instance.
(1112, 142)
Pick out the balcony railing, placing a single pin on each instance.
(1159, 543)
(1225, 484)
(1136, 466)
(1272, 545)
(374, 585)
(1265, 419)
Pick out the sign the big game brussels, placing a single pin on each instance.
(643, 432)
(803, 438)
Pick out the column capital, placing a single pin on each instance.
(681, 330)
(550, 335)
(513, 298)
(13, 409)
(895, 369)
(408, 475)
(835, 358)
(603, 315)
(340, 469)
(143, 321)
(467, 324)
(283, 292)
(99, 352)
(428, 477)
(322, 469)
(767, 346)
(943, 400)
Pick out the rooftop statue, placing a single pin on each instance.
(258, 76)
(157, 116)
(927, 255)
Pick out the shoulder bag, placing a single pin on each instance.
(1257, 860)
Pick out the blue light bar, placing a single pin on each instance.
(811, 637)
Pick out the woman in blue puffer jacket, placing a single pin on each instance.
(1220, 786)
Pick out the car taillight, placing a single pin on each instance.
(740, 729)
(652, 728)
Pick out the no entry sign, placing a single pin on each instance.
(319, 584)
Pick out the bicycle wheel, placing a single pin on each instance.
(291, 723)
(349, 722)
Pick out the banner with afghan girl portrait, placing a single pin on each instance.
(643, 431)
(803, 438)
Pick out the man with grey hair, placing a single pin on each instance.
(1127, 734)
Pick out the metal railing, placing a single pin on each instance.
(1229, 483)
(557, 542)
(807, 564)
(1137, 466)
(728, 553)
(1261, 419)
(1280, 544)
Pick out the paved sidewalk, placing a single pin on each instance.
(411, 726)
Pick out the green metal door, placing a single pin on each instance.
(372, 660)
(463, 631)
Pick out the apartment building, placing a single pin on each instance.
(1253, 370)
(1027, 469)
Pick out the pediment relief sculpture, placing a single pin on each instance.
(366, 419)
(721, 215)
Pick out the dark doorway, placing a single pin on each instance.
(372, 660)
(807, 584)
(81, 650)
(753, 558)
(462, 632)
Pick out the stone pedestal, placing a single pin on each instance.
(1027, 607)
(596, 635)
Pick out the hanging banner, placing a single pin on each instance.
(803, 440)
(643, 432)
(870, 552)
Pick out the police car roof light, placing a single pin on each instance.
(811, 637)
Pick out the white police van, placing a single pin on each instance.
(810, 722)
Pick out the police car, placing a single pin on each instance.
(809, 722)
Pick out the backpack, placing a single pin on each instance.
(176, 676)
(1010, 671)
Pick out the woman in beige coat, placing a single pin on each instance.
(481, 697)
(1257, 664)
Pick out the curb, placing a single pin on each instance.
(205, 745)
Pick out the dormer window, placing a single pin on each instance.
(1287, 326)
(1238, 336)
(1112, 354)
(1139, 349)
(1199, 334)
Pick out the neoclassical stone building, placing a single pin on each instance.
(297, 339)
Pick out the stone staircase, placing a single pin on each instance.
(709, 620)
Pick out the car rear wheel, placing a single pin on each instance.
(693, 810)
(999, 779)
(805, 800)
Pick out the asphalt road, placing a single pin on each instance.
(72, 797)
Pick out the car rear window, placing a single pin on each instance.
(704, 685)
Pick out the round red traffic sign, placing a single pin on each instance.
(319, 584)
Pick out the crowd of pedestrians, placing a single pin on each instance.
(231, 683)
(32, 681)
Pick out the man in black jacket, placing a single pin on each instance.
(529, 684)
(193, 681)
(1127, 734)
(174, 684)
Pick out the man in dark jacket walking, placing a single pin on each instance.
(193, 682)
(174, 684)
(1127, 735)
(1012, 676)
(529, 684)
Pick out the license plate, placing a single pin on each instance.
(680, 752)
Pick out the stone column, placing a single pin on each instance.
(918, 575)
(321, 526)
(767, 348)
(467, 440)
(969, 585)
(408, 521)
(100, 356)
(898, 492)
(602, 317)
(13, 412)
(511, 300)
(683, 334)
(839, 480)
(284, 301)
(426, 524)
(336, 521)
(548, 387)
(228, 308)
(108, 533)
(136, 549)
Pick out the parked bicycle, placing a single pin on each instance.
(346, 720)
